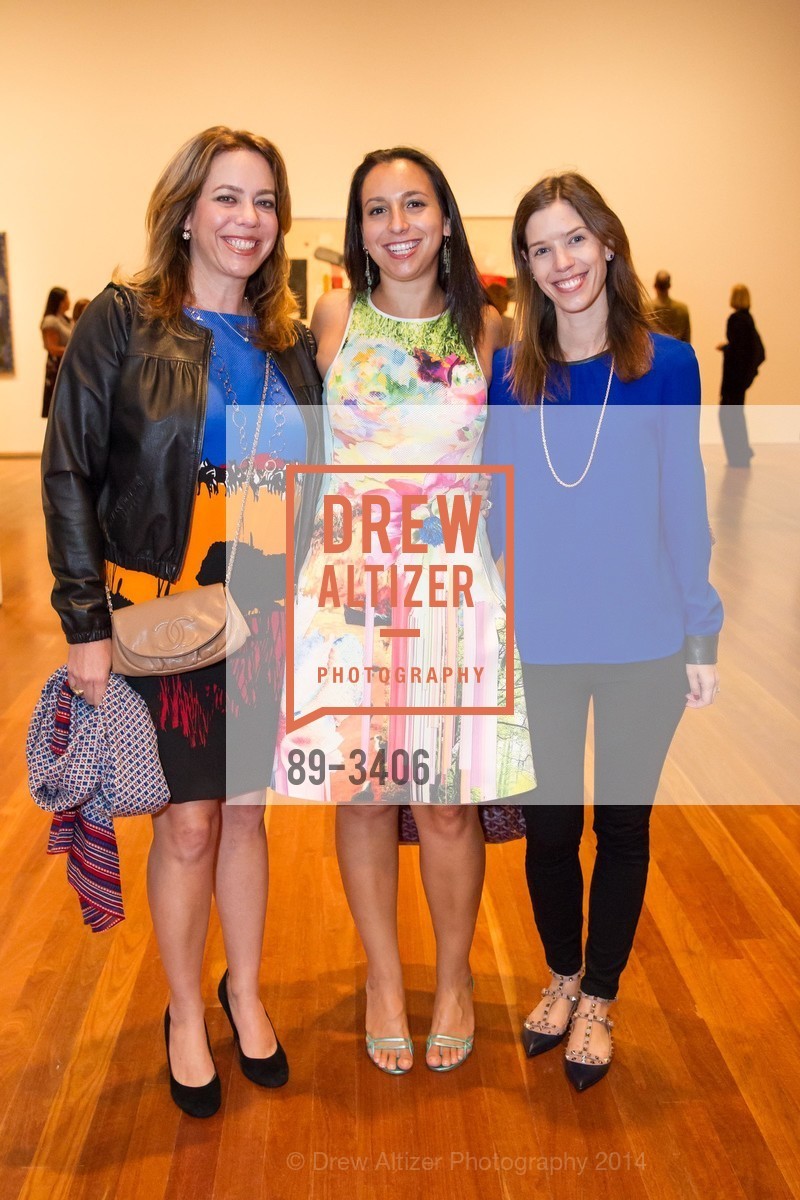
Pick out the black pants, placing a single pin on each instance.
(734, 430)
(637, 707)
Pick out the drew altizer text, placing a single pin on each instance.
(420, 524)
(458, 524)
(605, 1161)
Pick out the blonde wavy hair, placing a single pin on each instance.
(163, 285)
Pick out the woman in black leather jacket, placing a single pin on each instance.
(137, 470)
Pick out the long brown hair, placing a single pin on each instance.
(54, 301)
(465, 297)
(535, 333)
(163, 285)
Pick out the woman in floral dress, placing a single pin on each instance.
(412, 692)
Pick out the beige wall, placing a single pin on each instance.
(684, 114)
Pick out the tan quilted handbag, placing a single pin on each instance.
(177, 633)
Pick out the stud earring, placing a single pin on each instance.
(186, 235)
(367, 269)
(446, 257)
(609, 256)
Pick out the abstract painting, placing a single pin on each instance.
(6, 347)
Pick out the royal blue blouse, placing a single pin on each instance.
(615, 569)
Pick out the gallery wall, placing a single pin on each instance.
(685, 115)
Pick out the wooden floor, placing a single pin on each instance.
(704, 1094)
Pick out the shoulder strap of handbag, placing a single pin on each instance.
(250, 470)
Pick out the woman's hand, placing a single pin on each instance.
(703, 684)
(88, 667)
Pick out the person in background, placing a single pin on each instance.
(56, 330)
(78, 308)
(742, 355)
(500, 298)
(599, 417)
(138, 470)
(671, 316)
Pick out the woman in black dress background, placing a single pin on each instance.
(742, 355)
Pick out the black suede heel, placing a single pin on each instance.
(201, 1101)
(272, 1072)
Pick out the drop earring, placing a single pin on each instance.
(367, 269)
(446, 257)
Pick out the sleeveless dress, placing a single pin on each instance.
(216, 726)
(402, 394)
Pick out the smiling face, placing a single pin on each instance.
(567, 261)
(233, 225)
(402, 223)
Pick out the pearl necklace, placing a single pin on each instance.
(557, 477)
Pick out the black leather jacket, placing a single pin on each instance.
(122, 451)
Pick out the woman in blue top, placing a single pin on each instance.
(599, 418)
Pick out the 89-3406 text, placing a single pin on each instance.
(401, 767)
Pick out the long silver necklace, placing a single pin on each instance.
(553, 472)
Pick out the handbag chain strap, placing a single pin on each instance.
(250, 471)
(251, 464)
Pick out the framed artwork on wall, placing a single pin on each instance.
(6, 345)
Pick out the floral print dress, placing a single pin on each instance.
(406, 407)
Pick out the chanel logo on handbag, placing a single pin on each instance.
(187, 630)
(177, 633)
